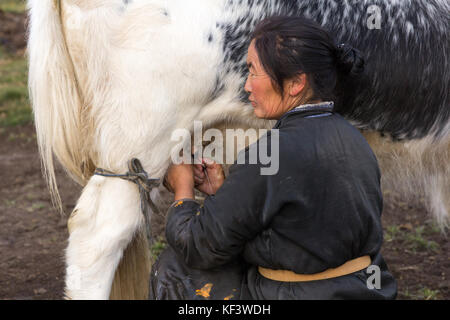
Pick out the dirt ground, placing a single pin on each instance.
(33, 235)
(12, 31)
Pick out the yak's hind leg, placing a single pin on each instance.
(417, 170)
(434, 175)
(104, 222)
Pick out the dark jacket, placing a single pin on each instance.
(320, 210)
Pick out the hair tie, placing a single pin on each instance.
(348, 59)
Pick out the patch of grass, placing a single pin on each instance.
(13, 5)
(35, 206)
(432, 227)
(391, 233)
(406, 294)
(14, 103)
(429, 294)
(15, 113)
(422, 293)
(414, 240)
(23, 137)
(10, 203)
(418, 242)
(157, 248)
(38, 206)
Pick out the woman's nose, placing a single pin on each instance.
(247, 86)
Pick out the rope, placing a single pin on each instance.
(139, 176)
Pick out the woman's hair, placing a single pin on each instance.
(289, 46)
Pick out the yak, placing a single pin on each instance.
(110, 80)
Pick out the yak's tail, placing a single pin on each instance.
(133, 273)
(55, 95)
(58, 108)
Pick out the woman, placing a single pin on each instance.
(311, 230)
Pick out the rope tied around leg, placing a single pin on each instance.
(139, 176)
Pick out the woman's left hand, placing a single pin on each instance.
(180, 178)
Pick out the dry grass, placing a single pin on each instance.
(13, 5)
(14, 104)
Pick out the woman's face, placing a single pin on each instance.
(266, 101)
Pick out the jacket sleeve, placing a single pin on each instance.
(213, 234)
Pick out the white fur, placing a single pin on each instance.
(102, 225)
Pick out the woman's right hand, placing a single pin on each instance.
(215, 174)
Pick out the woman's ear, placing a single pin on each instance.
(297, 84)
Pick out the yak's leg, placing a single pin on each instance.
(438, 196)
(418, 171)
(436, 176)
(101, 226)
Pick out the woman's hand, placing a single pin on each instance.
(215, 174)
(180, 177)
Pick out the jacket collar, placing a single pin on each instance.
(307, 110)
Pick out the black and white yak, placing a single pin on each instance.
(111, 79)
